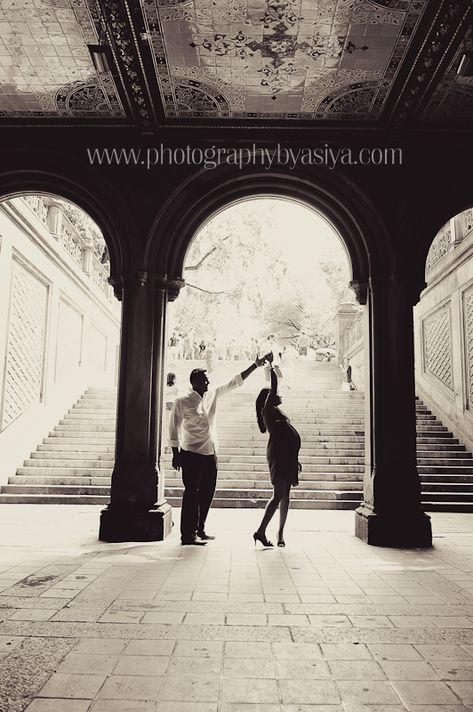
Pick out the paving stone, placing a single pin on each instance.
(463, 690)
(409, 670)
(356, 670)
(248, 690)
(425, 693)
(131, 687)
(343, 651)
(394, 652)
(249, 667)
(367, 692)
(312, 692)
(141, 665)
(66, 685)
(125, 706)
(297, 651)
(49, 705)
(444, 652)
(88, 664)
(98, 646)
(291, 669)
(190, 688)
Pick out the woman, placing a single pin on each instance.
(347, 384)
(282, 455)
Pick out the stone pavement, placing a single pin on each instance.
(328, 624)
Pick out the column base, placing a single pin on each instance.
(397, 530)
(135, 525)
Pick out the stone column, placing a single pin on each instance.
(134, 513)
(391, 514)
(166, 291)
(346, 315)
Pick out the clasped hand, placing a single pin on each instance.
(260, 360)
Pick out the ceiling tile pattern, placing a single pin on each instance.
(45, 65)
(452, 100)
(292, 59)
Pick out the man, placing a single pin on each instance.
(192, 426)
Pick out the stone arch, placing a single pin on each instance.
(448, 202)
(96, 198)
(340, 202)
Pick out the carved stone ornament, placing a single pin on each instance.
(446, 29)
(361, 290)
(174, 286)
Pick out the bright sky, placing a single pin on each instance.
(299, 230)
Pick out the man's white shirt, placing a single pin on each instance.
(192, 425)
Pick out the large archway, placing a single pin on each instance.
(59, 339)
(443, 333)
(271, 266)
(378, 280)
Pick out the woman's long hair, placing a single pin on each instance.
(260, 401)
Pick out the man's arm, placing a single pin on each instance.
(240, 377)
(258, 362)
(175, 421)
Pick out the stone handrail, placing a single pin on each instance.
(78, 246)
(353, 335)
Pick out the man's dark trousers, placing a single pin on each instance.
(199, 476)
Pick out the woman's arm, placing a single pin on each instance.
(274, 389)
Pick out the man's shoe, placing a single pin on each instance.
(205, 537)
(190, 542)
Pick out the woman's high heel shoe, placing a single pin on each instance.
(281, 542)
(261, 538)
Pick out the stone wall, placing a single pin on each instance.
(59, 323)
(443, 324)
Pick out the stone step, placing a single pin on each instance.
(56, 489)
(297, 493)
(53, 499)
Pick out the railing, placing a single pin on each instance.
(442, 244)
(99, 276)
(81, 247)
(353, 335)
(467, 221)
(37, 203)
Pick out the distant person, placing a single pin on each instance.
(193, 439)
(209, 356)
(171, 390)
(303, 344)
(282, 455)
(347, 383)
(275, 349)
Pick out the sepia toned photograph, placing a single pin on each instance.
(236, 355)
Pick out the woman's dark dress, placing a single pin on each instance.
(284, 441)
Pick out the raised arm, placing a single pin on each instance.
(274, 389)
(258, 362)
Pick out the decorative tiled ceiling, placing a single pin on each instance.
(293, 59)
(45, 65)
(452, 101)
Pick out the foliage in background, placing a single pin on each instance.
(240, 282)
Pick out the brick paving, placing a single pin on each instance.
(327, 624)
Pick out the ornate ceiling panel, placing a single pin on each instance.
(292, 59)
(45, 66)
(452, 101)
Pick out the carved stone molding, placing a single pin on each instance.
(360, 289)
(128, 57)
(121, 281)
(446, 33)
(174, 286)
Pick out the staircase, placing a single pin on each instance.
(74, 464)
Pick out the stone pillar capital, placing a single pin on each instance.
(123, 281)
(174, 286)
(361, 290)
